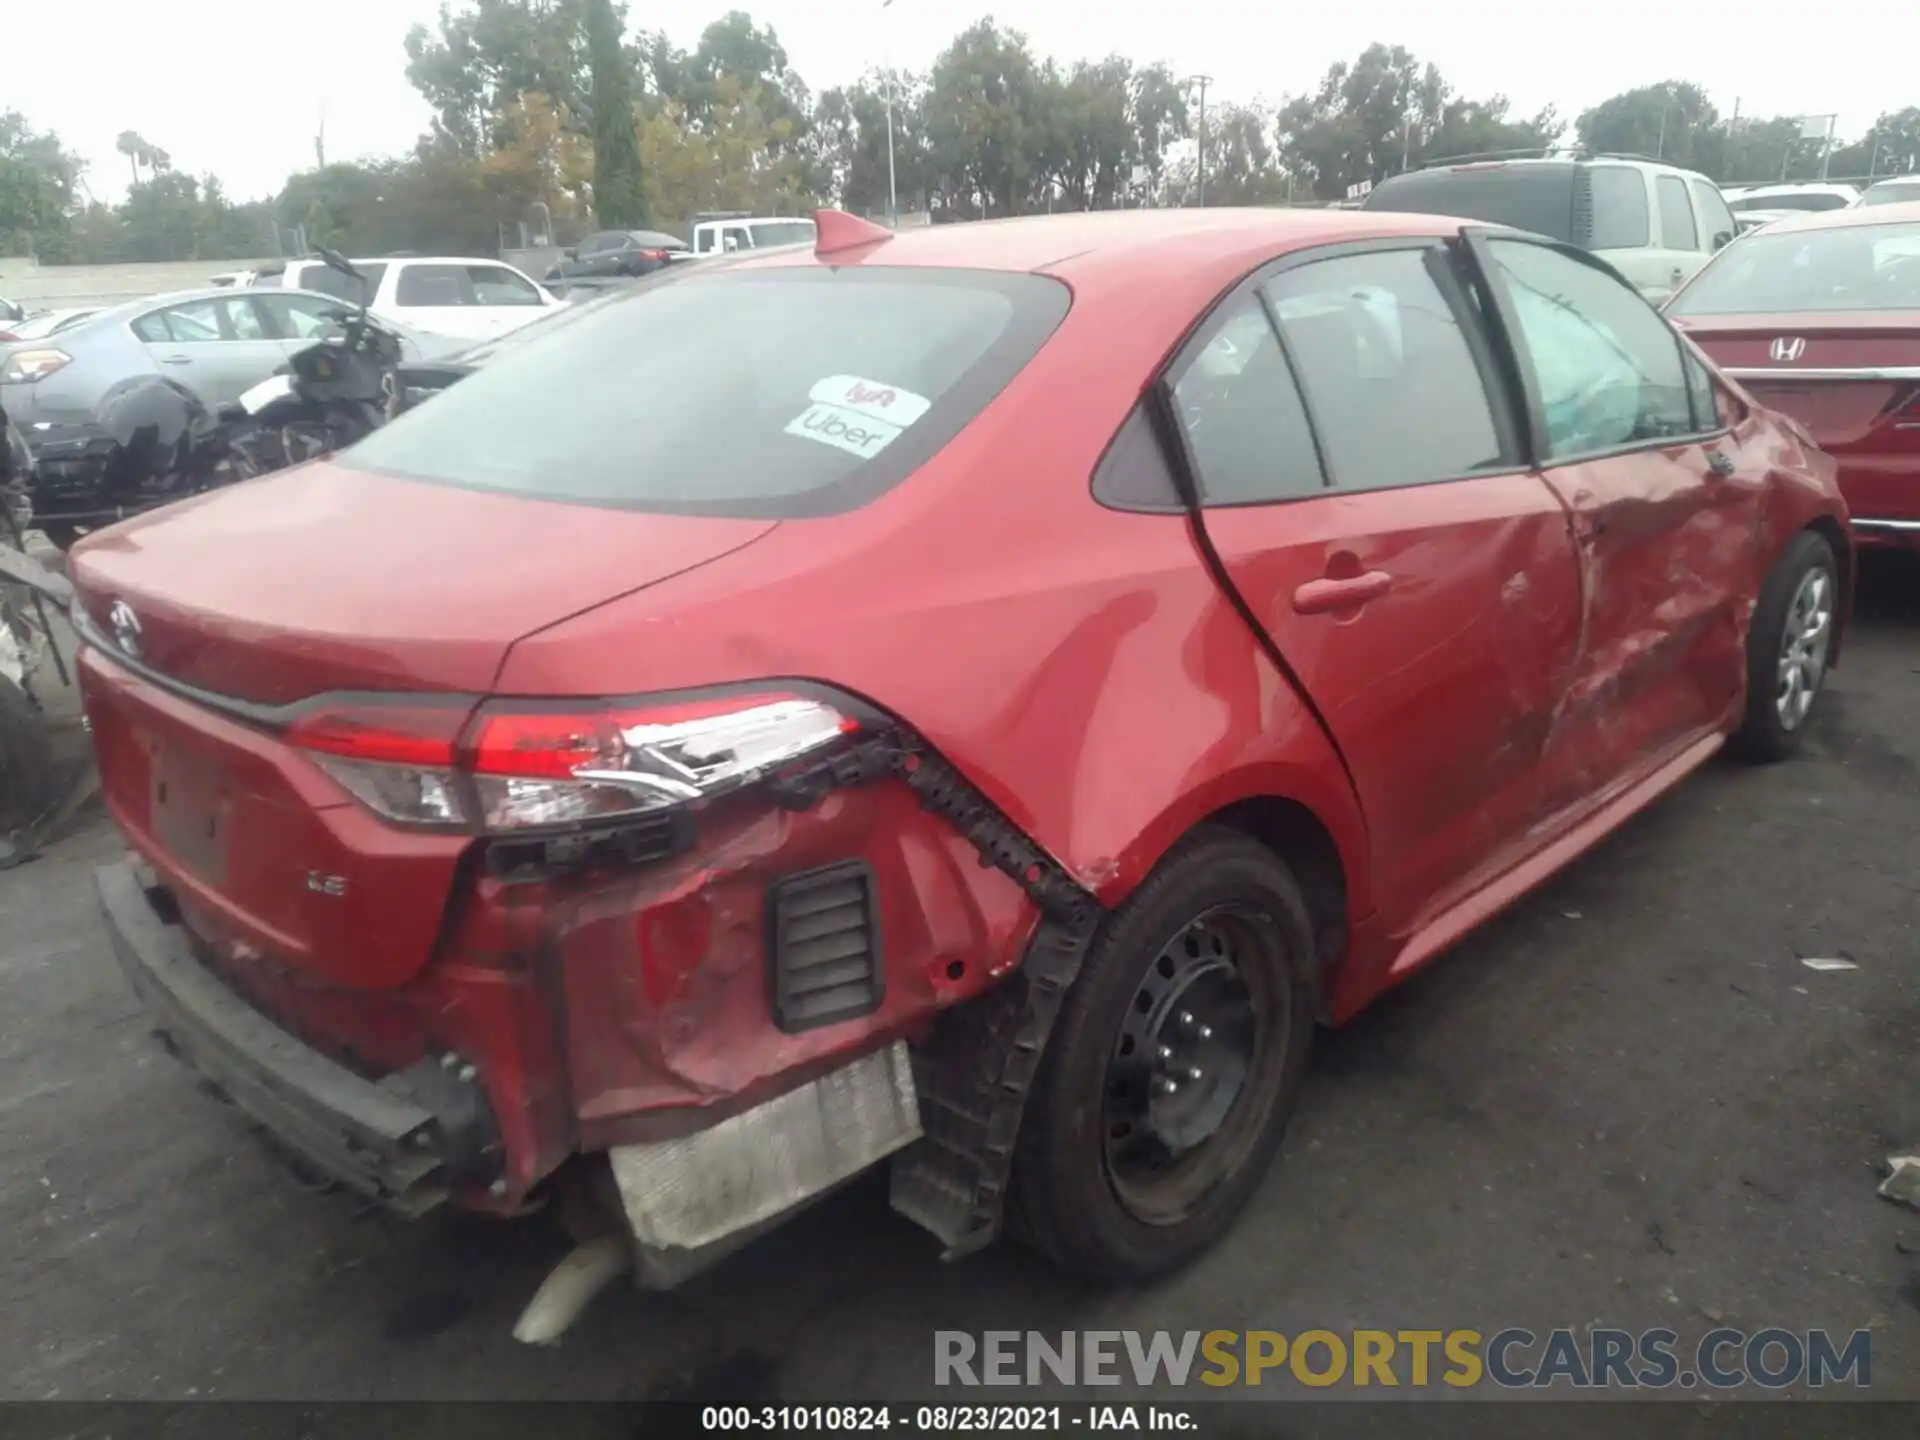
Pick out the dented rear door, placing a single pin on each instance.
(1663, 503)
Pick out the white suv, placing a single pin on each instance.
(1654, 223)
(457, 296)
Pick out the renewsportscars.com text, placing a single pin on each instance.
(1721, 1359)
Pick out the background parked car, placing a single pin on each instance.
(1750, 220)
(1896, 191)
(457, 296)
(617, 254)
(10, 311)
(1804, 197)
(1656, 224)
(216, 342)
(1819, 318)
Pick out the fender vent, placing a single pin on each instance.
(823, 947)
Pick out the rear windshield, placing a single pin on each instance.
(1536, 197)
(764, 393)
(1791, 200)
(1891, 194)
(1852, 267)
(329, 281)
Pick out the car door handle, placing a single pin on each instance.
(1318, 596)
(1721, 464)
(1678, 274)
(176, 359)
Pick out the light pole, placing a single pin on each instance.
(1202, 81)
(893, 189)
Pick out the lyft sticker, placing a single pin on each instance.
(897, 407)
(844, 429)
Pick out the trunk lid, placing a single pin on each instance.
(1853, 380)
(327, 578)
(324, 580)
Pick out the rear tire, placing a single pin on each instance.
(1789, 648)
(1192, 1017)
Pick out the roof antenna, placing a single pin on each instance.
(836, 231)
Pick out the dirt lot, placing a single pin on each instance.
(1627, 1103)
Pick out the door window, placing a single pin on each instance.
(1715, 217)
(197, 322)
(1677, 230)
(1395, 393)
(300, 317)
(1245, 426)
(1619, 207)
(432, 287)
(1607, 366)
(497, 285)
(243, 321)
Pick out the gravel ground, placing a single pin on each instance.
(1625, 1103)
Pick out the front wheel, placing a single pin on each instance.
(1789, 646)
(1173, 1067)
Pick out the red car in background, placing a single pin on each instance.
(1818, 317)
(972, 698)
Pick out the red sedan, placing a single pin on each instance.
(1819, 317)
(973, 699)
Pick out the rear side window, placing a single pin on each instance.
(1537, 196)
(497, 285)
(1244, 424)
(782, 232)
(1714, 214)
(328, 281)
(1619, 194)
(1392, 385)
(762, 393)
(1677, 230)
(1606, 366)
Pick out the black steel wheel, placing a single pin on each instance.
(1174, 1065)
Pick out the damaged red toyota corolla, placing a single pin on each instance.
(972, 699)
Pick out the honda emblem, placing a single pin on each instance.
(1788, 348)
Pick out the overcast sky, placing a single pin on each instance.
(237, 87)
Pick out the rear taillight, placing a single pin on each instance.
(23, 367)
(519, 765)
(653, 254)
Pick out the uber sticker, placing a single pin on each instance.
(899, 408)
(844, 429)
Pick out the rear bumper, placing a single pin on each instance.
(406, 1141)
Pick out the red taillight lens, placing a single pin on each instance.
(535, 767)
(653, 254)
(521, 765)
(24, 367)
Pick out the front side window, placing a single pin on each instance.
(243, 321)
(433, 287)
(1607, 367)
(1390, 380)
(765, 393)
(497, 285)
(783, 232)
(1619, 195)
(1677, 230)
(329, 281)
(1245, 426)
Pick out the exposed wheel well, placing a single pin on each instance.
(1295, 834)
(1831, 531)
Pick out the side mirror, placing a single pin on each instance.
(1723, 239)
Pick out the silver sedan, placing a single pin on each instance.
(218, 343)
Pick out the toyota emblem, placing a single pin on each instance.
(1788, 348)
(126, 629)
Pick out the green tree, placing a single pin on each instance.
(1671, 121)
(478, 59)
(619, 188)
(986, 123)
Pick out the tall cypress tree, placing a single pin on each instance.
(618, 193)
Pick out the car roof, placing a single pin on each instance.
(1903, 212)
(1805, 187)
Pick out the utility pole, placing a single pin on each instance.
(1202, 81)
(893, 187)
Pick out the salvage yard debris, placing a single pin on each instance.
(1903, 1183)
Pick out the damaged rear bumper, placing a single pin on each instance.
(405, 1141)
